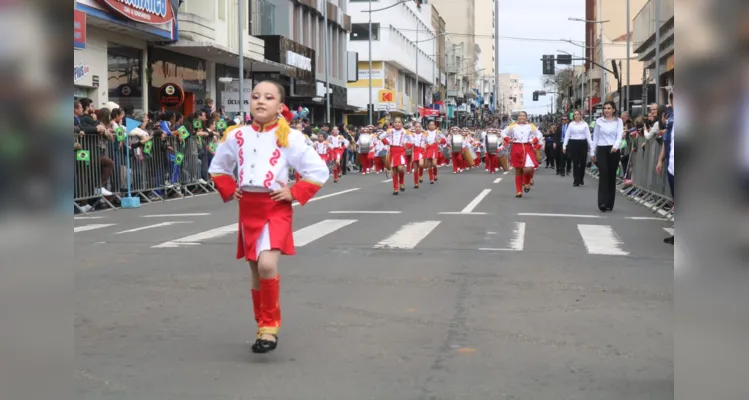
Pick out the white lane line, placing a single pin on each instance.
(142, 228)
(91, 227)
(365, 212)
(505, 173)
(198, 238)
(518, 240)
(558, 215)
(327, 196)
(669, 230)
(645, 218)
(175, 215)
(88, 217)
(475, 202)
(462, 213)
(313, 232)
(498, 180)
(601, 239)
(389, 180)
(408, 236)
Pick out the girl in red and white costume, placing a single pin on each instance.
(433, 139)
(263, 153)
(492, 161)
(397, 138)
(379, 148)
(364, 158)
(523, 137)
(337, 144)
(457, 156)
(322, 149)
(419, 153)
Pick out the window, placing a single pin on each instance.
(267, 18)
(361, 31)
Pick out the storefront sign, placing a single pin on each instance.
(298, 60)
(155, 12)
(364, 74)
(230, 102)
(79, 71)
(79, 29)
(171, 95)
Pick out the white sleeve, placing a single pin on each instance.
(653, 130)
(567, 136)
(305, 160)
(225, 159)
(505, 132)
(596, 135)
(619, 133)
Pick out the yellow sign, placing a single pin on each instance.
(670, 63)
(386, 96)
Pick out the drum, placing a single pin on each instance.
(382, 153)
(469, 156)
(456, 144)
(492, 143)
(365, 142)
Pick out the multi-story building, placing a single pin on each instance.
(484, 26)
(403, 46)
(606, 41)
(461, 33)
(510, 93)
(440, 81)
(644, 37)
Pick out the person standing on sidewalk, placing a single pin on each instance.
(607, 138)
(667, 155)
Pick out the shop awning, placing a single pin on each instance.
(219, 54)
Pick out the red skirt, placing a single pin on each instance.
(418, 154)
(264, 224)
(337, 153)
(432, 151)
(523, 156)
(397, 156)
(324, 157)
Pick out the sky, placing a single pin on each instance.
(544, 19)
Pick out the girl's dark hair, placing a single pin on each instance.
(103, 115)
(281, 90)
(610, 103)
(116, 113)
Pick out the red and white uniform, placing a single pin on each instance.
(433, 140)
(397, 140)
(523, 137)
(420, 147)
(322, 149)
(337, 143)
(263, 165)
(377, 148)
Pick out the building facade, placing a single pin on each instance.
(403, 47)
(484, 26)
(644, 36)
(510, 93)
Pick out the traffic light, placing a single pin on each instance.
(535, 96)
(548, 64)
(565, 59)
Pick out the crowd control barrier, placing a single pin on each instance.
(160, 168)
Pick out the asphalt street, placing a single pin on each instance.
(453, 291)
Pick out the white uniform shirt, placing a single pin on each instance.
(578, 131)
(671, 158)
(396, 138)
(522, 133)
(262, 164)
(336, 142)
(607, 133)
(419, 140)
(321, 147)
(433, 137)
(378, 146)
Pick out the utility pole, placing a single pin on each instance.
(629, 41)
(240, 30)
(600, 43)
(657, 52)
(496, 57)
(371, 104)
(327, 61)
(416, 70)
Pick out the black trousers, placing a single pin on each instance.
(564, 162)
(550, 155)
(607, 165)
(578, 152)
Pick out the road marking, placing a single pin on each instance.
(313, 232)
(408, 236)
(142, 228)
(669, 230)
(506, 172)
(558, 215)
(518, 240)
(88, 217)
(389, 180)
(365, 212)
(646, 218)
(462, 213)
(327, 195)
(196, 239)
(91, 227)
(601, 239)
(175, 215)
(498, 180)
(475, 202)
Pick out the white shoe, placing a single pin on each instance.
(105, 192)
(202, 181)
(86, 208)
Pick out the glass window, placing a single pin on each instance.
(267, 18)
(361, 31)
(124, 76)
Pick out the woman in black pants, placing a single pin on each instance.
(579, 142)
(607, 138)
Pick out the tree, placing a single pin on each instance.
(559, 83)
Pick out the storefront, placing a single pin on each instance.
(186, 72)
(290, 64)
(111, 42)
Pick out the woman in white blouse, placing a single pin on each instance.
(607, 138)
(579, 141)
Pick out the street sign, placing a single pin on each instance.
(564, 59)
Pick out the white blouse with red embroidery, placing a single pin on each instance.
(262, 164)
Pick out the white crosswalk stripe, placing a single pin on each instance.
(518, 240)
(159, 225)
(408, 236)
(198, 238)
(84, 228)
(601, 239)
(309, 234)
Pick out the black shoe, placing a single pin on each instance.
(603, 208)
(669, 240)
(403, 189)
(416, 186)
(436, 179)
(263, 346)
(582, 183)
(431, 182)
(575, 184)
(527, 190)
(395, 193)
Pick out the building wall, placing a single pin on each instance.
(484, 26)
(511, 86)
(460, 19)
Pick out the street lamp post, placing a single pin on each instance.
(629, 41)
(370, 107)
(327, 61)
(240, 13)
(657, 52)
(496, 57)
